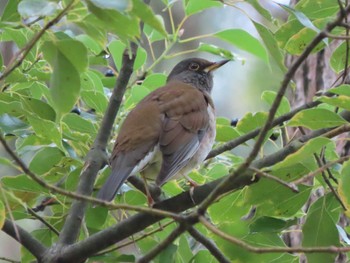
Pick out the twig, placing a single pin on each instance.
(136, 239)
(42, 220)
(320, 164)
(21, 54)
(320, 170)
(161, 246)
(290, 186)
(210, 245)
(24, 238)
(242, 139)
(9, 260)
(260, 250)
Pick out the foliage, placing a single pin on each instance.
(53, 102)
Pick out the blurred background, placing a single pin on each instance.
(237, 86)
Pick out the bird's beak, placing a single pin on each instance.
(216, 65)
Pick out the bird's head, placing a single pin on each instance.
(197, 72)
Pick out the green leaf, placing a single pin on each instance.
(195, 6)
(90, 43)
(341, 90)
(319, 230)
(68, 58)
(137, 93)
(141, 57)
(116, 48)
(96, 217)
(145, 13)
(316, 119)
(269, 97)
(12, 125)
(2, 214)
(303, 154)
(121, 5)
(251, 121)
(318, 9)
(122, 25)
(215, 50)
(225, 133)
(22, 183)
(243, 40)
(45, 159)
(271, 45)
(72, 50)
(341, 101)
(270, 224)
(261, 10)
(338, 58)
(10, 13)
(286, 31)
(298, 42)
(39, 108)
(29, 8)
(154, 81)
(303, 19)
(343, 186)
(46, 129)
(152, 34)
(79, 124)
(90, 81)
(95, 100)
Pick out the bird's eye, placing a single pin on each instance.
(194, 66)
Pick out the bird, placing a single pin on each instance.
(169, 132)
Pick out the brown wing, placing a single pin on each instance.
(138, 136)
(186, 120)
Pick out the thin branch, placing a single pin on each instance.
(42, 220)
(161, 228)
(24, 238)
(9, 260)
(290, 186)
(163, 245)
(320, 164)
(209, 244)
(260, 250)
(311, 175)
(21, 54)
(242, 139)
(269, 121)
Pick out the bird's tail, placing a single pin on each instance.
(113, 183)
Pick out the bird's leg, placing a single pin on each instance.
(150, 200)
(193, 184)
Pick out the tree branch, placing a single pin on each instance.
(163, 245)
(96, 157)
(24, 238)
(260, 250)
(210, 245)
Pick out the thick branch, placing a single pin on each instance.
(24, 238)
(96, 159)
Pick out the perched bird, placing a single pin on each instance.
(170, 131)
